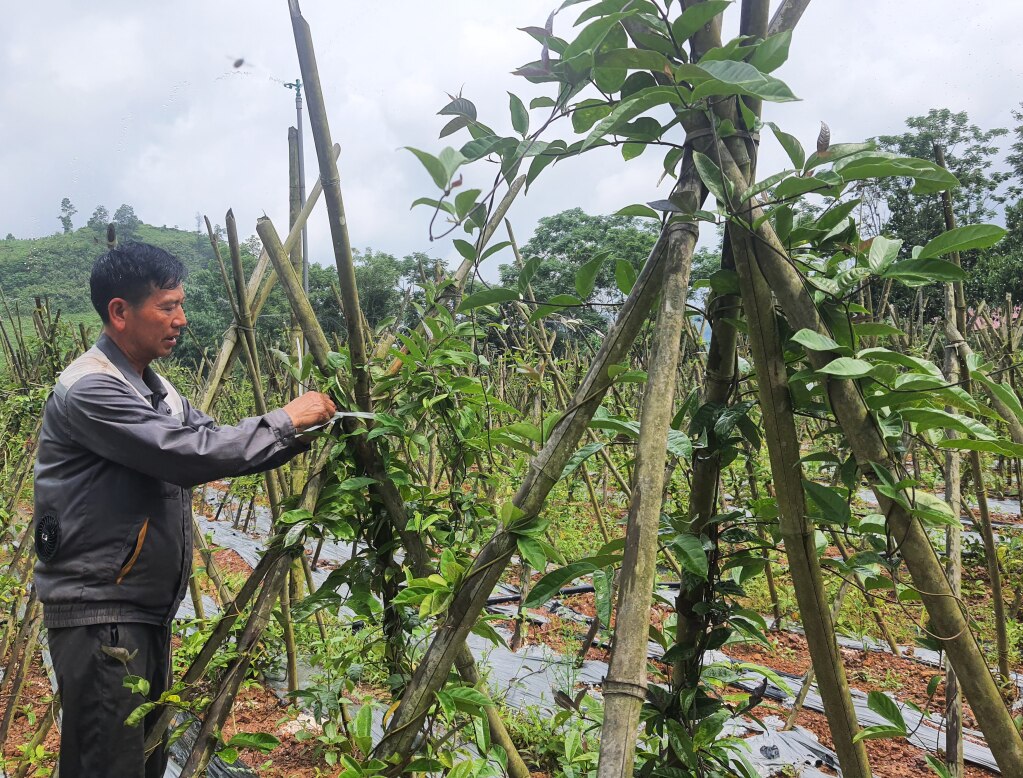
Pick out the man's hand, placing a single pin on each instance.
(310, 410)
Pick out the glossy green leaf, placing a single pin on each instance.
(816, 341)
(625, 276)
(260, 741)
(691, 555)
(493, 296)
(548, 586)
(631, 108)
(883, 251)
(643, 211)
(529, 268)
(772, 53)
(586, 276)
(694, 17)
(973, 236)
(830, 500)
(917, 272)
(847, 367)
(791, 145)
(433, 166)
(928, 177)
(711, 176)
(519, 114)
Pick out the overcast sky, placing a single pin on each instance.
(139, 102)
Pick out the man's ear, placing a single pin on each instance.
(117, 309)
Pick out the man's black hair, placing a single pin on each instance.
(132, 271)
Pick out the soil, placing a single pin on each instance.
(258, 710)
(889, 758)
(35, 696)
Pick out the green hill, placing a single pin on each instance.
(58, 266)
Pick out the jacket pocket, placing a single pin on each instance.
(132, 558)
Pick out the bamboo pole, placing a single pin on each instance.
(257, 292)
(796, 529)
(948, 621)
(544, 471)
(625, 686)
(369, 461)
(955, 310)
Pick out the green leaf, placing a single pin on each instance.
(362, 728)
(791, 145)
(493, 296)
(1003, 447)
(679, 445)
(973, 236)
(586, 276)
(691, 555)
(519, 114)
(634, 59)
(1003, 392)
(644, 211)
(532, 552)
(847, 367)
(260, 741)
(529, 268)
(928, 177)
(550, 584)
(883, 251)
(433, 166)
(625, 276)
(731, 77)
(917, 272)
(937, 418)
(579, 457)
(487, 632)
(228, 755)
(628, 109)
(875, 329)
(772, 53)
(878, 731)
(695, 17)
(830, 500)
(710, 174)
(887, 708)
(817, 342)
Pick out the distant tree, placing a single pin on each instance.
(126, 222)
(99, 220)
(67, 210)
(566, 241)
(969, 154)
(10, 236)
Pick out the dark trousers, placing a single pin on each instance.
(94, 740)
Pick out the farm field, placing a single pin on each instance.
(631, 505)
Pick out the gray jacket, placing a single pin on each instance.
(118, 454)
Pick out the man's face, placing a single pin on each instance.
(152, 329)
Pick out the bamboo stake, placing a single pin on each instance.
(544, 471)
(947, 619)
(625, 686)
(25, 646)
(804, 688)
(257, 292)
(797, 531)
(955, 310)
(368, 458)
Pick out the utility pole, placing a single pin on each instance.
(297, 86)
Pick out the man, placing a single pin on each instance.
(119, 451)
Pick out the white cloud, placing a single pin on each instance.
(139, 102)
